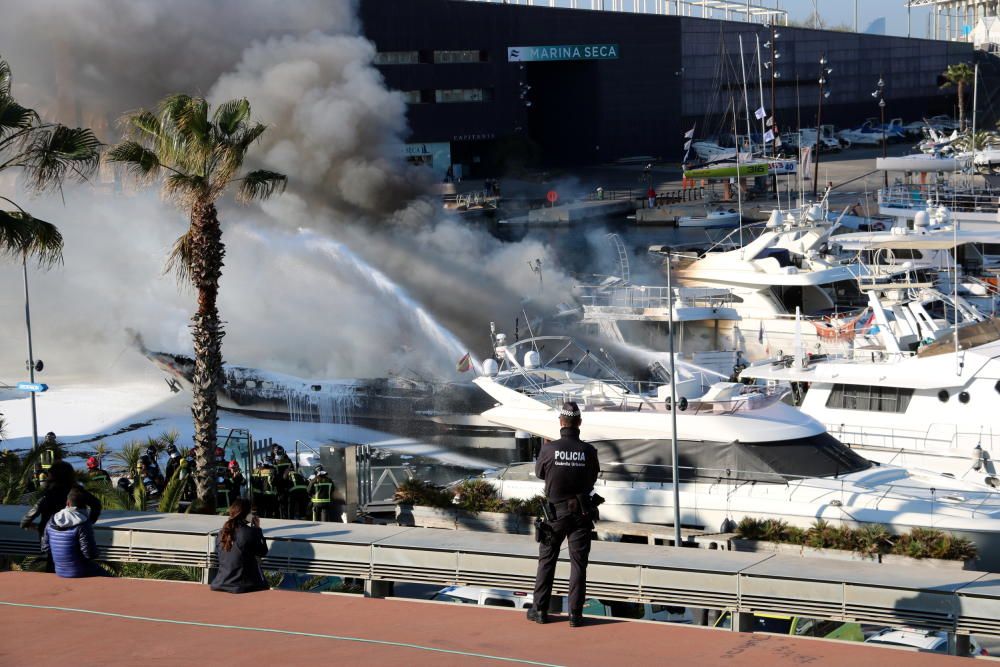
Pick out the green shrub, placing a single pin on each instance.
(870, 539)
(419, 492)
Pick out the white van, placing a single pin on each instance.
(494, 597)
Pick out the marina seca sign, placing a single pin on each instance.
(532, 54)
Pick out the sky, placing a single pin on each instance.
(833, 12)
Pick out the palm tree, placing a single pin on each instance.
(46, 153)
(199, 155)
(959, 75)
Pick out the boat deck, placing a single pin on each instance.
(85, 622)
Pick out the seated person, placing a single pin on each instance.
(69, 539)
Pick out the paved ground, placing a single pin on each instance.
(50, 621)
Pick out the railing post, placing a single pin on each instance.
(742, 621)
(958, 644)
(376, 588)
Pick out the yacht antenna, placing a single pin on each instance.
(674, 458)
(527, 323)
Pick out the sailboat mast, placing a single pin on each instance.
(746, 99)
(760, 82)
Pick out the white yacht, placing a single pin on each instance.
(915, 391)
(743, 453)
(787, 270)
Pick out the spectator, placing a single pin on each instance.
(62, 479)
(239, 544)
(68, 540)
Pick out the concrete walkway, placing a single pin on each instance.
(51, 621)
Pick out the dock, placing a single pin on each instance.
(178, 623)
(573, 212)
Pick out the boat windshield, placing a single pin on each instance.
(819, 455)
(969, 336)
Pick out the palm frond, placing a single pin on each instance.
(230, 116)
(55, 152)
(179, 260)
(170, 499)
(261, 184)
(127, 458)
(23, 235)
(184, 188)
(5, 77)
(141, 163)
(14, 117)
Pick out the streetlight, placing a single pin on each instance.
(879, 94)
(824, 72)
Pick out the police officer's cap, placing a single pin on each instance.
(570, 410)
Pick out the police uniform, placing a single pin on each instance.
(569, 467)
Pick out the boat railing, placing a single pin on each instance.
(932, 438)
(919, 197)
(639, 396)
(843, 491)
(651, 297)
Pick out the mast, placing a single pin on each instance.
(746, 101)
(760, 82)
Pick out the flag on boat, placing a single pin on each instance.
(760, 113)
(760, 333)
(770, 121)
(465, 363)
(768, 136)
(689, 137)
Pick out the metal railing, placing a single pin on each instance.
(956, 601)
(958, 200)
(932, 440)
(645, 297)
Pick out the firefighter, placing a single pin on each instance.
(321, 495)
(97, 474)
(298, 495)
(265, 494)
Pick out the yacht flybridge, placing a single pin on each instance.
(783, 286)
(742, 453)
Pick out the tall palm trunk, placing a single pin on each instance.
(961, 104)
(206, 252)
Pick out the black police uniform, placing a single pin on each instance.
(569, 467)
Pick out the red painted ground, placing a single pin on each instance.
(33, 636)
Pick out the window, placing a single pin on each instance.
(871, 399)
(397, 58)
(498, 602)
(412, 96)
(462, 95)
(444, 597)
(447, 57)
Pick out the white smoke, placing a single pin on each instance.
(294, 300)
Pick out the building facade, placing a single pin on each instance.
(490, 84)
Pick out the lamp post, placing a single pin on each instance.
(31, 354)
(824, 71)
(879, 94)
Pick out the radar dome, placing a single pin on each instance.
(491, 367)
(532, 359)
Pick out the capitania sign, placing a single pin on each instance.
(532, 54)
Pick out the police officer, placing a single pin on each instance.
(569, 467)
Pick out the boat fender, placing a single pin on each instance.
(682, 404)
(977, 458)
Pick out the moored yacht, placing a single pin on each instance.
(915, 391)
(743, 453)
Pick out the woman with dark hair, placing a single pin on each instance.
(239, 544)
(62, 478)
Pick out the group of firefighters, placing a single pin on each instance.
(279, 489)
